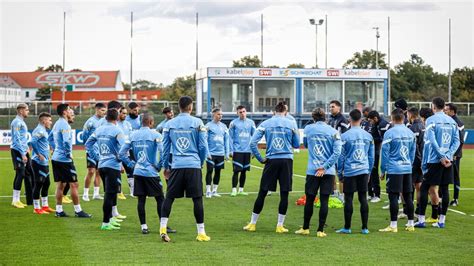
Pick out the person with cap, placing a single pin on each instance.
(402, 104)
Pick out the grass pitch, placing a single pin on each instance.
(26, 238)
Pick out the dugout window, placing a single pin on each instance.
(269, 92)
(227, 94)
(359, 94)
(318, 93)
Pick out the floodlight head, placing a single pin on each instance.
(321, 21)
(312, 21)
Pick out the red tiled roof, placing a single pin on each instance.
(84, 79)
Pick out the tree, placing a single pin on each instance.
(50, 68)
(181, 86)
(463, 84)
(365, 60)
(295, 65)
(416, 81)
(44, 93)
(143, 85)
(247, 61)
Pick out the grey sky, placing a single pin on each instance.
(98, 34)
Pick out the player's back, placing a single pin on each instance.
(146, 145)
(320, 139)
(109, 140)
(279, 133)
(356, 152)
(398, 150)
(185, 135)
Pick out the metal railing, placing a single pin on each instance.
(464, 108)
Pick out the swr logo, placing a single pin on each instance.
(265, 72)
(333, 73)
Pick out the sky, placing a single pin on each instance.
(164, 37)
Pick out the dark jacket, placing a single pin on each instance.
(339, 122)
(418, 129)
(458, 153)
(379, 129)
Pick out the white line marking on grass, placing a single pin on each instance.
(456, 211)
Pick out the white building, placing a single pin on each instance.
(10, 92)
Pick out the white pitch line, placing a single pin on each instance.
(456, 211)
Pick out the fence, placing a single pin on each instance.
(464, 108)
(82, 109)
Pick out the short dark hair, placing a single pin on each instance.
(166, 110)
(280, 107)
(413, 111)
(215, 110)
(44, 114)
(132, 105)
(240, 107)
(114, 105)
(112, 115)
(367, 109)
(318, 114)
(438, 102)
(426, 112)
(146, 118)
(185, 102)
(397, 115)
(355, 115)
(373, 114)
(452, 107)
(61, 108)
(336, 102)
(99, 106)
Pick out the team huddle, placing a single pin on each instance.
(414, 154)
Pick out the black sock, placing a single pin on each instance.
(434, 211)
(364, 209)
(308, 210)
(393, 198)
(348, 209)
(159, 204)
(217, 176)
(166, 209)
(235, 179)
(243, 177)
(141, 209)
(409, 205)
(198, 210)
(107, 206)
(209, 175)
(445, 203)
(323, 211)
(259, 202)
(283, 207)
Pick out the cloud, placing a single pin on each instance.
(240, 16)
(243, 16)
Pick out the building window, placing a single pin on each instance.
(318, 93)
(27, 94)
(228, 94)
(269, 92)
(359, 94)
